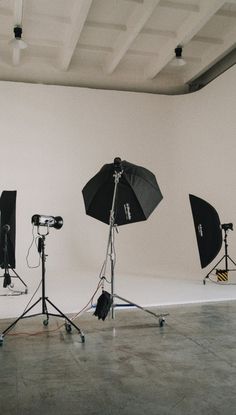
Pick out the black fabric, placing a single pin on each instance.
(8, 217)
(137, 189)
(207, 228)
(103, 305)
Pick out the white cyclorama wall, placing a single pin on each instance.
(54, 139)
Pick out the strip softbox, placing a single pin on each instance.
(207, 228)
(8, 228)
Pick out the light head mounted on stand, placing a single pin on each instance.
(47, 221)
(117, 164)
(227, 226)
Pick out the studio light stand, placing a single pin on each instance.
(7, 241)
(226, 258)
(44, 300)
(6, 266)
(110, 253)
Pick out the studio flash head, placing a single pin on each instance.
(49, 221)
(227, 226)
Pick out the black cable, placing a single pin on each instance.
(34, 240)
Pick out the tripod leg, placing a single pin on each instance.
(231, 260)
(207, 276)
(61, 314)
(19, 318)
(20, 279)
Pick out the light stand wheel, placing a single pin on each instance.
(82, 338)
(161, 321)
(68, 327)
(45, 322)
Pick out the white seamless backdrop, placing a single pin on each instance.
(54, 139)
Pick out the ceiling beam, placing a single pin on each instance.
(135, 23)
(226, 13)
(208, 39)
(122, 28)
(80, 13)
(158, 32)
(179, 5)
(37, 17)
(189, 28)
(105, 25)
(95, 48)
(211, 56)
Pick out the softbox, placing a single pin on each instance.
(7, 228)
(207, 228)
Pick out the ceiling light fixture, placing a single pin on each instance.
(17, 42)
(178, 60)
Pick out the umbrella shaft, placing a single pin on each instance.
(110, 251)
(117, 176)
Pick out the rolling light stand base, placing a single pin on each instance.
(68, 323)
(160, 317)
(44, 300)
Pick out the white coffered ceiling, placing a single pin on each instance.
(115, 44)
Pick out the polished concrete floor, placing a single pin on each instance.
(129, 366)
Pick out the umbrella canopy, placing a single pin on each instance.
(137, 194)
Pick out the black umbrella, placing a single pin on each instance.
(120, 193)
(136, 196)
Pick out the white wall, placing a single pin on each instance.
(54, 139)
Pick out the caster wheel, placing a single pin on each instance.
(45, 322)
(161, 321)
(82, 338)
(68, 327)
(1, 340)
(204, 282)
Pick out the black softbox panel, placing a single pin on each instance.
(207, 228)
(8, 226)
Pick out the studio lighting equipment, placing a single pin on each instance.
(208, 230)
(227, 226)
(119, 194)
(17, 42)
(178, 60)
(55, 222)
(8, 238)
(49, 221)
